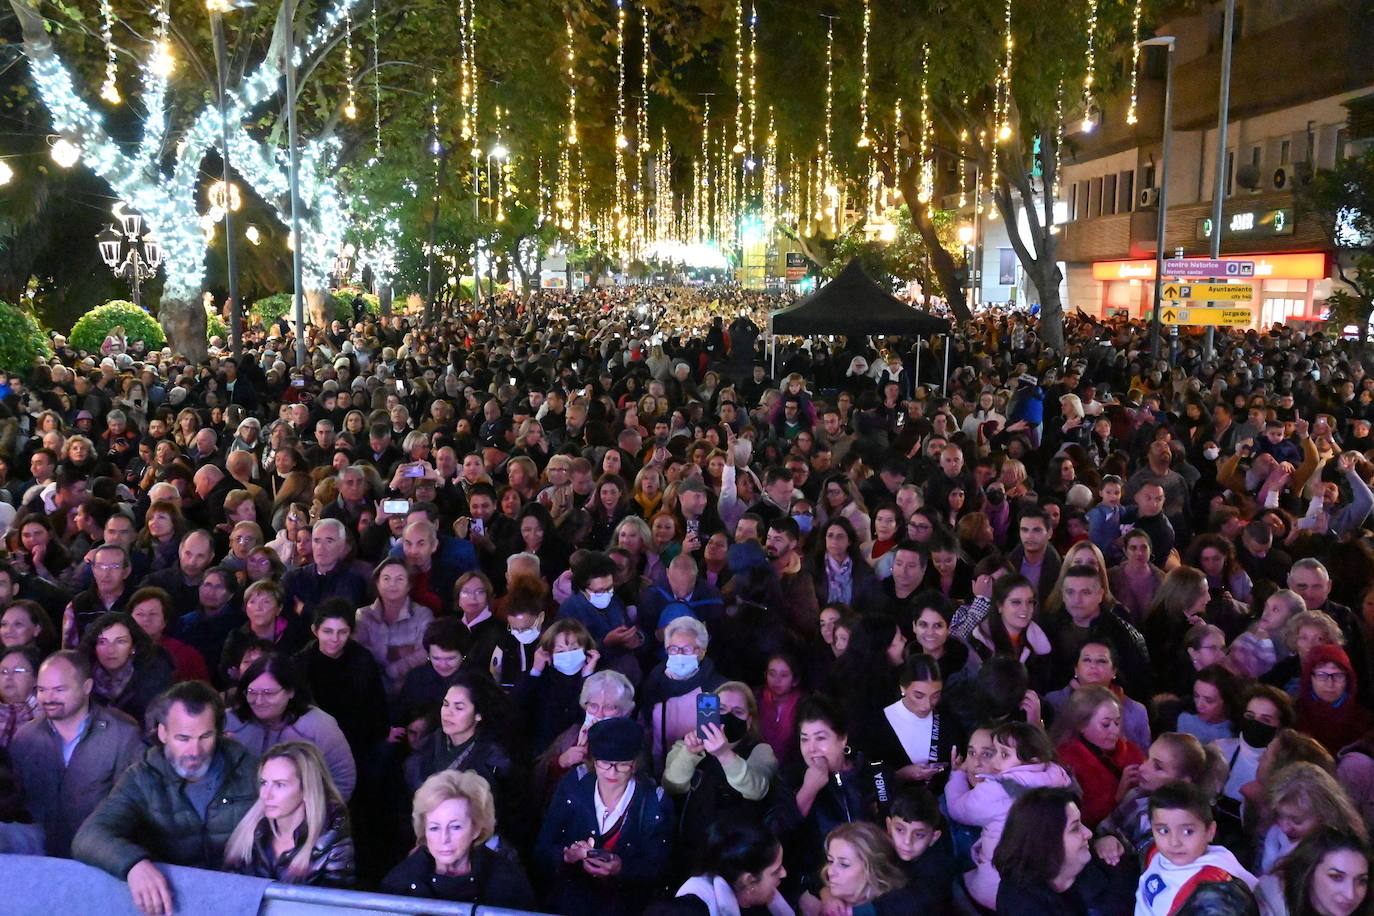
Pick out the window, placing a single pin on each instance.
(1073, 201)
(1230, 172)
(1255, 154)
(1126, 200)
(1285, 151)
(1095, 197)
(1109, 203)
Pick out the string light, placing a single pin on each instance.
(752, 120)
(109, 91)
(1004, 83)
(621, 141)
(1090, 76)
(863, 79)
(1135, 60)
(465, 88)
(350, 108)
(826, 166)
(376, 80)
(926, 189)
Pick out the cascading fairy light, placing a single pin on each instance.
(434, 147)
(772, 193)
(565, 204)
(1004, 82)
(464, 86)
(926, 156)
(825, 174)
(737, 144)
(621, 142)
(350, 108)
(863, 78)
(963, 169)
(1090, 76)
(109, 91)
(474, 98)
(1051, 186)
(752, 120)
(644, 146)
(376, 80)
(1135, 60)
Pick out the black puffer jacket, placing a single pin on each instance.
(493, 880)
(331, 859)
(148, 816)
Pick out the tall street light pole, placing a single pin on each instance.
(1223, 117)
(217, 9)
(1166, 41)
(293, 146)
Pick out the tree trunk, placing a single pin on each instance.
(384, 299)
(1041, 263)
(318, 307)
(942, 262)
(183, 320)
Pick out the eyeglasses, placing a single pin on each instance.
(6, 672)
(473, 593)
(681, 650)
(109, 567)
(615, 766)
(1330, 677)
(266, 693)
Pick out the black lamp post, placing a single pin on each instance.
(132, 254)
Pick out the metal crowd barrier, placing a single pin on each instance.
(41, 886)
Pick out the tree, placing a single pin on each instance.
(902, 258)
(1341, 200)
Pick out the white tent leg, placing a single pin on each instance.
(944, 387)
(916, 383)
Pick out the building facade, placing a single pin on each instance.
(1302, 89)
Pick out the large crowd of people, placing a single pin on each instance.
(586, 603)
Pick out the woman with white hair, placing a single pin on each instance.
(298, 829)
(669, 694)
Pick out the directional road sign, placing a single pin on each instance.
(1209, 292)
(1173, 314)
(1203, 268)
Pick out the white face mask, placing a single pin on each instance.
(600, 600)
(1211, 453)
(589, 720)
(569, 662)
(525, 637)
(681, 667)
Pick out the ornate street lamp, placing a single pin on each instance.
(129, 252)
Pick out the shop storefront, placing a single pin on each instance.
(1285, 286)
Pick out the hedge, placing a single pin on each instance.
(21, 339)
(92, 328)
(270, 308)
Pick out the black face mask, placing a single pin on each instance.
(1256, 733)
(735, 728)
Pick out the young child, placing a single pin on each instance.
(925, 855)
(1184, 874)
(1104, 520)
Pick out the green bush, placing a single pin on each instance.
(21, 339)
(215, 325)
(92, 328)
(270, 308)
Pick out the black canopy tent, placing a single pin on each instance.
(852, 304)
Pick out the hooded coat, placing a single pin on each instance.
(1337, 724)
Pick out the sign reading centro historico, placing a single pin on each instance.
(1306, 265)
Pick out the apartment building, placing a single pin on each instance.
(1302, 94)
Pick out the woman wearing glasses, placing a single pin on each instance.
(604, 843)
(18, 703)
(274, 706)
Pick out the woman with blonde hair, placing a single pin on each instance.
(454, 815)
(1301, 798)
(648, 491)
(860, 868)
(1083, 553)
(298, 830)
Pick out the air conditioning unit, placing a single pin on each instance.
(1149, 197)
(1286, 176)
(1282, 178)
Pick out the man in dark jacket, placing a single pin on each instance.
(1088, 615)
(68, 761)
(178, 804)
